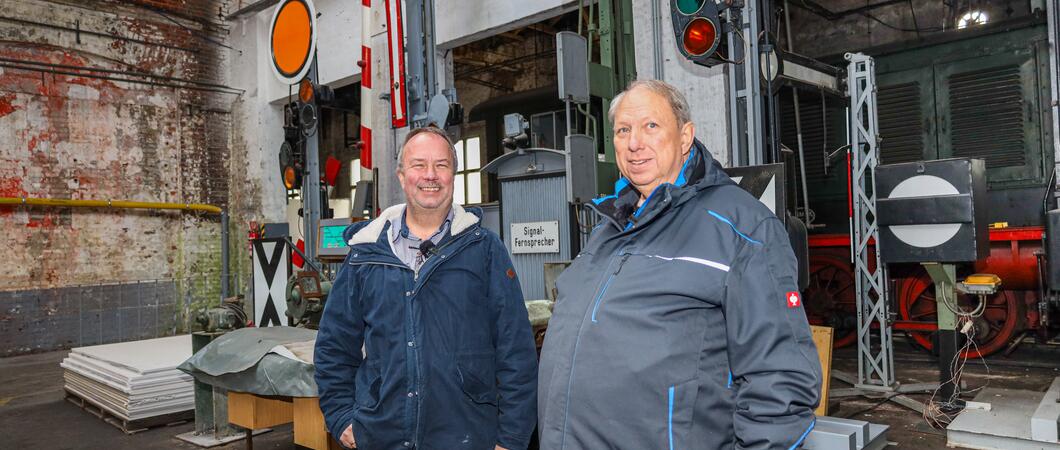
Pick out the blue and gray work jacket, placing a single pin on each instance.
(449, 358)
(675, 328)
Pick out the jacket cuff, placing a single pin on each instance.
(344, 420)
(513, 442)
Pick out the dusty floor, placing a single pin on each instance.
(33, 413)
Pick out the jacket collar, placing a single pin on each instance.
(462, 221)
(700, 171)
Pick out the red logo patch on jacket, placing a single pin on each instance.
(510, 273)
(793, 299)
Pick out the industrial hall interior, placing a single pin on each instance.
(530, 225)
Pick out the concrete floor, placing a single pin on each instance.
(33, 413)
(1030, 367)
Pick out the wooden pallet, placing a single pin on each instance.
(125, 425)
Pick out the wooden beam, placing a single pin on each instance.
(822, 338)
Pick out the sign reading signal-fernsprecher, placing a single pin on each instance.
(535, 237)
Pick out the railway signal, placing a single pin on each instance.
(698, 30)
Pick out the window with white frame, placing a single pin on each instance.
(971, 18)
(467, 186)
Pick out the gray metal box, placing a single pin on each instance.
(534, 194)
(572, 66)
(932, 211)
(581, 165)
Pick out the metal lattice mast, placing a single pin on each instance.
(745, 90)
(875, 362)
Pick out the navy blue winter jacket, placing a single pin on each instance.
(449, 360)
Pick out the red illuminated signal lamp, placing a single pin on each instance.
(700, 37)
(699, 32)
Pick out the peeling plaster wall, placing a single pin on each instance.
(67, 134)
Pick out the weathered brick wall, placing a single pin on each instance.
(149, 122)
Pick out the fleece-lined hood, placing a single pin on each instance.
(369, 232)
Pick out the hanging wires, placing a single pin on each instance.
(951, 304)
(935, 412)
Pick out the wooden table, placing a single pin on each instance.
(252, 411)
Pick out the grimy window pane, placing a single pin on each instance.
(458, 190)
(473, 154)
(460, 156)
(474, 188)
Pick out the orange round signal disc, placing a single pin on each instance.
(700, 37)
(293, 39)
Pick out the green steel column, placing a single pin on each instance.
(945, 278)
(616, 69)
(204, 414)
(948, 340)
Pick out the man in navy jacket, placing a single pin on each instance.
(431, 297)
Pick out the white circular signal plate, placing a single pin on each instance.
(927, 235)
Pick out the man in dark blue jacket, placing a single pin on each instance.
(679, 325)
(448, 356)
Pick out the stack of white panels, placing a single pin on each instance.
(133, 380)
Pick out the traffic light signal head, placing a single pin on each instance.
(310, 97)
(697, 27)
(290, 166)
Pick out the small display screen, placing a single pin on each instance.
(331, 236)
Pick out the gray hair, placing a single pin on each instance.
(678, 102)
(426, 130)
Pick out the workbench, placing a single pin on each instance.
(253, 412)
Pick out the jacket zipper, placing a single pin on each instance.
(433, 252)
(603, 290)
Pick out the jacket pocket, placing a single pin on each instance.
(680, 411)
(368, 386)
(362, 436)
(607, 284)
(477, 377)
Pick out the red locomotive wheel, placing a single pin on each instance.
(993, 330)
(830, 298)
